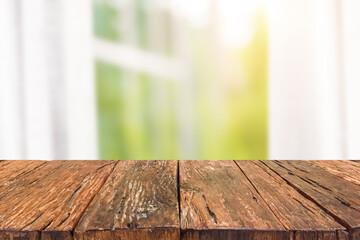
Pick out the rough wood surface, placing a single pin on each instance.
(130, 234)
(215, 196)
(50, 198)
(16, 235)
(348, 170)
(230, 234)
(138, 201)
(296, 200)
(338, 197)
(11, 170)
(298, 214)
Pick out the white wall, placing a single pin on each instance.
(11, 105)
(46, 77)
(314, 79)
(78, 67)
(351, 56)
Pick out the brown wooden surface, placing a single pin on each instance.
(180, 200)
(338, 197)
(293, 210)
(11, 170)
(348, 170)
(216, 195)
(138, 196)
(50, 198)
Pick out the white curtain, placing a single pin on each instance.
(314, 79)
(47, 93)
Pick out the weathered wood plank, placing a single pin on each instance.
(10, 170)
(229, 234)
(138, 201)
(51, 198)
(354, 234)
(337, 196)
(131, 234)
(313, 235)
(218, 202)
(15, 235)
(342, 235)
(298, 214)
(348, 170)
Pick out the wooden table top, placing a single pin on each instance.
(179, 200)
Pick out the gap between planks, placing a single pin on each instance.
(243, 172)
(178, 190)
(339, 233)
(87, 205)
(336, 218)
(350, 232)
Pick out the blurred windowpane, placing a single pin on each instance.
(213, 106)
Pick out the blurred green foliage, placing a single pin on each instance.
(137, 113)
(106, 21)
(132, 123)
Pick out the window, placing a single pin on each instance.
(170, 84)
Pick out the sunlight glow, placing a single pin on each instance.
(234, 19)
(237, 20)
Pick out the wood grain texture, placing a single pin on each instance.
(216, 196)
(354, 234)
(338, 197)
(52, 197)
(138, 201)
(294, 211)
(230, 234)
(347, 170)
(11, 170)
(313, 235)
(342, 235)
(15, 235)
(56, 235)
(130, 234)
(297, 200)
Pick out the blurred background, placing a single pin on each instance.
(179, 79)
